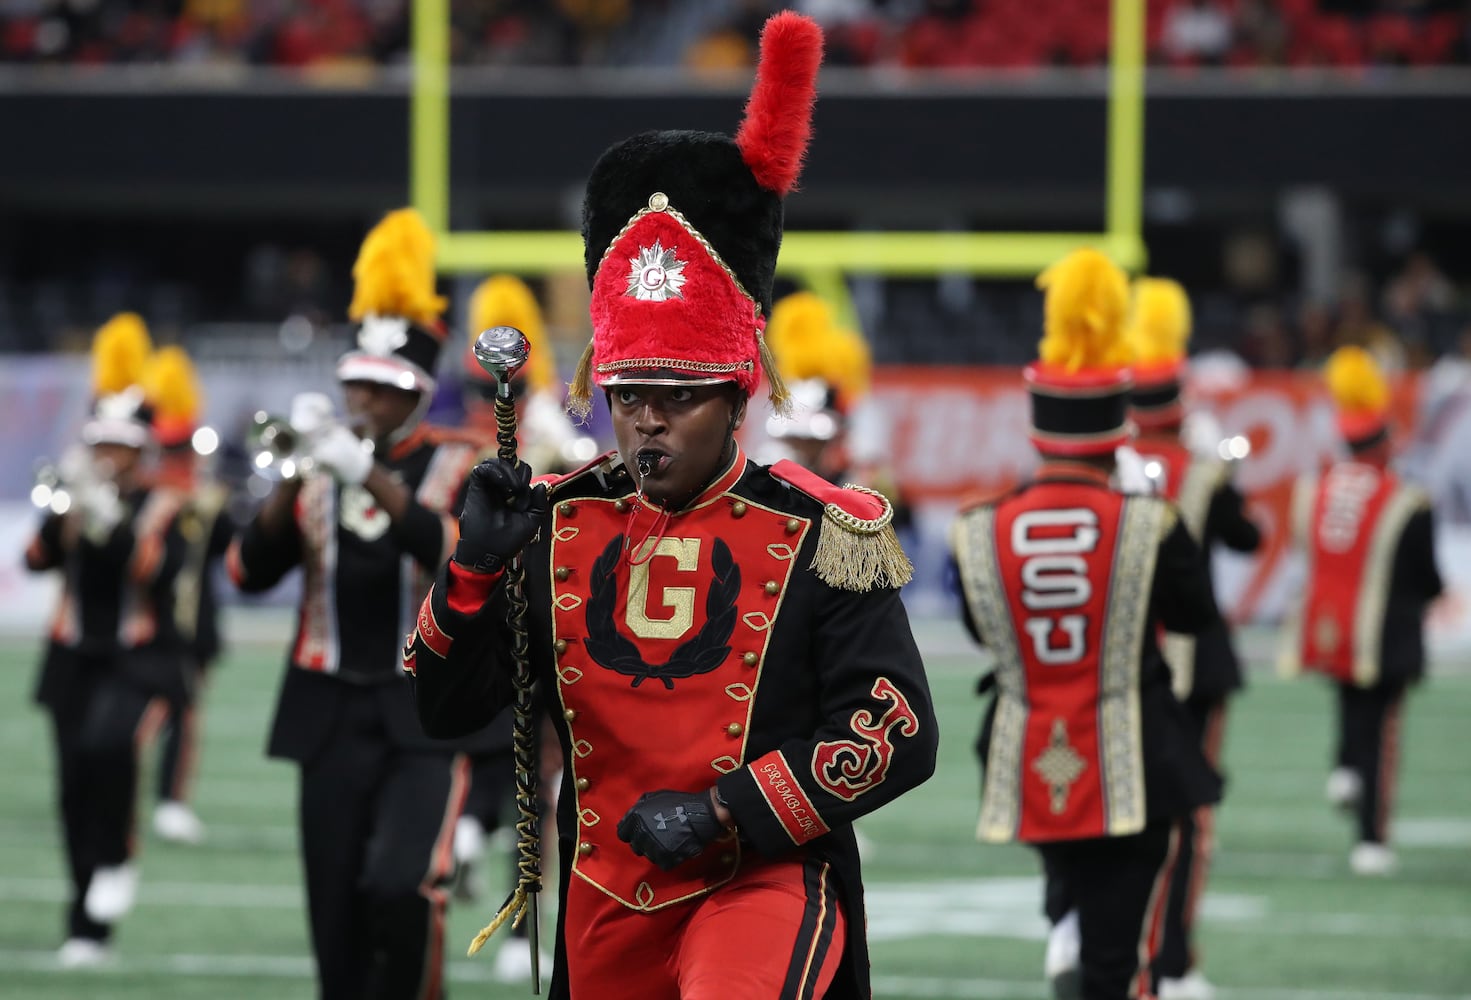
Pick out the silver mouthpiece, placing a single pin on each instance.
(502, 351)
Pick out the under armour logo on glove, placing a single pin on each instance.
(669, 827)
(678, 814)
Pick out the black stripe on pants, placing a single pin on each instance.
(815, 934)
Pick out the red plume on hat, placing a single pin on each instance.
(681, 232)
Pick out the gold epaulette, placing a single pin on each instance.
(856, 546)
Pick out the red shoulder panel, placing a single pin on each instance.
(553, 480)
(861, 505)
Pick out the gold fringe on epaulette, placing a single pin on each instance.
(857, 554)
(579, 390)
(781, 399)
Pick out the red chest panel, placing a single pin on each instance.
(1055, 545)
(1347, 507)
(660, 629)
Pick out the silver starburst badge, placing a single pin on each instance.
(655, 275)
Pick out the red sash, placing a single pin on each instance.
(1058, 578)
(1346, 510)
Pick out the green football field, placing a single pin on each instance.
(947, 917)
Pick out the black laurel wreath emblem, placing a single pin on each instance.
(707, 650)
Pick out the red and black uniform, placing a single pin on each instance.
(379, 799)
(1204, 667)
(718, 644)
(1371, 572)
(1087, 754)
(112, 665)
(205, 527)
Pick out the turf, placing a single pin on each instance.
(947, 917)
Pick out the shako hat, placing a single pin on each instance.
(1080, 383)
(1158, 332)
(681, 230)
(1361, 395)
(120, 411)
(400, 333)
(172, 389)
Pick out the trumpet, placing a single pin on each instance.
(277, 450)
(77, 483)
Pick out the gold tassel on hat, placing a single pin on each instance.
(394, 272)
(1084, 312)
(579, 391)
(781, 398)
(120, 353)
(859, 554)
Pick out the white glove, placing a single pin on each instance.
(344, 454)
(1201, 433)
(1130, 473)
(310, 413)
(101, 510)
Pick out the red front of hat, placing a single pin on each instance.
(664, 301)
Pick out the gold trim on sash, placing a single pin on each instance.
(1374, 590)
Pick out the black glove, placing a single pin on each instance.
(502, 513)
(670, 827)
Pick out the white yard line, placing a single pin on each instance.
(299, 967)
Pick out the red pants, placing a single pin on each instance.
(775, 931)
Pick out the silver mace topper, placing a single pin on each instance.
(502, 351)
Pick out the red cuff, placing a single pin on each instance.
(788, 802)
(468, 589)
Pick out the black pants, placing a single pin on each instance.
(1368, 743)
(101, 725)
(178, 751)
(1118, 885)
(1193, 857)
(377, 836)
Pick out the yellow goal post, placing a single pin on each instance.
(818, 260)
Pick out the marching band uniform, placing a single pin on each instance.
(751, 639)
(1204, 668)
(1087, 755)
(112, 662)
(206, 530)
(1369, 542)
(379, 799)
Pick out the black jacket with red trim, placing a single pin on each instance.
(363, 577)
(728, 658)
(116, 606)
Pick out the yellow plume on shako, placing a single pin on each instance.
(1159, 322)
(1086, 305)
(394, 272)
(798, 334)
(120, 352)
(171, 386)
(1355, 381)
(506, 300)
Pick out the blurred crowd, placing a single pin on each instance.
(338, 35)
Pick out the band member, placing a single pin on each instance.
(112, 663)
(1086, 753)
(1369, 542)
(733, 675)
(184, 448)
(1204, 667)
(379, 799)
